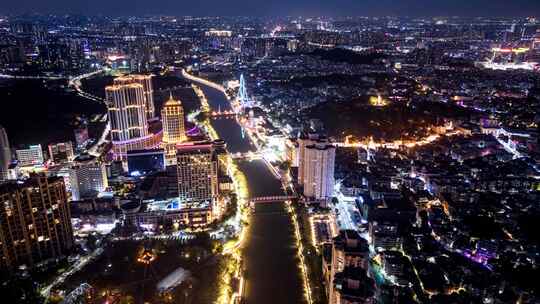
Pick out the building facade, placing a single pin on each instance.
(174, 132)
(346, 278)
(35, 221)
(197, 169)
(88, 180)
(318, 171)
(61, 152)
(146, 82)
(305, 139)
(127, 107)
(31, 156)
(5, 154)
(127, 112)
(191, 217)
(292, 152)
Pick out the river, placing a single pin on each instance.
(271, 265)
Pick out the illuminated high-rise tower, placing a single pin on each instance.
(146, 82)
(197, 168)
(127, 111)
(88, 179)
(36, 221)
(174, 132)
(172, 115)
(127, 116)
(5, 154)
(304, 140)
(319, 171)
(31, 156)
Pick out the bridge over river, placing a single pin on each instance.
(271, 266)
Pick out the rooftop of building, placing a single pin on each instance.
(396, 203)
(84, 158)
(145, 152)
(116, 87)
(353, 283)
(194, 147)
(172, 102)
(321, 145)
(351, 242)
(33, 181)
(132, 76)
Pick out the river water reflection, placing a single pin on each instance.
(270, 261)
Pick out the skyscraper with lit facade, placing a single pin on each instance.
(128, 119)
(5, 154)
(88, 179)
(146, 82)
(172, 116)
(319, 171)
(36, 221)
(197, 169)
(303, 141)
(31, 156)
(127, 111)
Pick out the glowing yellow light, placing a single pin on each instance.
(377, 101)
(146, 257)
(300, 253)
(510, 50)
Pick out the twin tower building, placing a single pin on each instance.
(133, 121)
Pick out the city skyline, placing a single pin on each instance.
(177, 159)
(411, 8)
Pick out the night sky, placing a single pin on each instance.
(278, 7)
